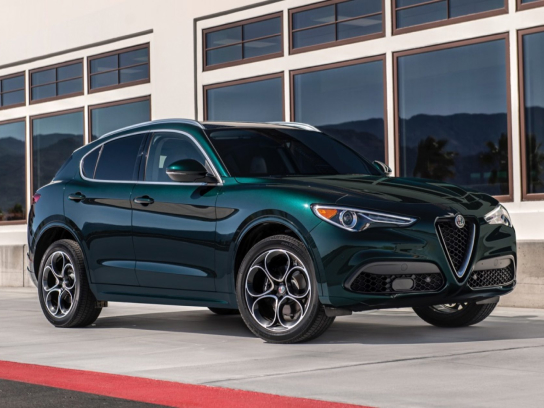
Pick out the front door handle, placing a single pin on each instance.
(145, 200)
(77, 197)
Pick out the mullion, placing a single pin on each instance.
(118, 68)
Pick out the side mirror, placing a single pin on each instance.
(383, 167)
(189, 171)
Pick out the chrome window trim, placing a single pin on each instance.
(297, 125)
(156, 122)
(207, 158)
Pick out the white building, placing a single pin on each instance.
(445, 89)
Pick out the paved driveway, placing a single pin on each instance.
(383, 358)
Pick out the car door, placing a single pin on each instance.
(173, 222)
(98, 202)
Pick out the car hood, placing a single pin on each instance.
(385, 190)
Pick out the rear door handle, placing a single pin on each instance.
(77, 197)
(145, 200)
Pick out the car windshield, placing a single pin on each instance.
(270, 152)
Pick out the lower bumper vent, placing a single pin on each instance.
(385, 284)
(492, 277)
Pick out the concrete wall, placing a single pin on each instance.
(529, 291)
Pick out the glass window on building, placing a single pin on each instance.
(109, 117)
(417, 12)
(253, 39)
(533, 112)
(249, 101)
(320, 24)
(54, 82)
(453, 120)
(54, 138)
(347, 102)
(12, 91)
(12, 171)
(119, 68)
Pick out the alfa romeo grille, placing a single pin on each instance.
(492, 277)
(457, 243)
(373, 283)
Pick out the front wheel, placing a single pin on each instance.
(65, 296)
(456, 314)
(277, 292)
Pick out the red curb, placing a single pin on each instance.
(158, 392)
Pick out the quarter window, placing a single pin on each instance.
(166, 149)
(410, 13)
(54, 82)
(336, 23)
(246, 41)
(119, 68)
(12, 91)
(118, 158)
(453, 117)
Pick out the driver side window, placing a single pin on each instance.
(167, 148)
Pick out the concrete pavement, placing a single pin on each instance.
(382, 358)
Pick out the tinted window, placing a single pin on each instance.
(118, 159)
(274, 152)
(12, 91)
(89, 163)
(453, 123)
(110, 118)
(253, 39)
(12, 171)
(258, 101)
(166, 149)
(533, 60)
(347, 103)
(54, 138)
(59, 81)
(120, 68)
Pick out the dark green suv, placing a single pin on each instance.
(276, 221)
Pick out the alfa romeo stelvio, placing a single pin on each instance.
(276, 221)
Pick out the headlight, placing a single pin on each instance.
(499, 216)
(352, 219)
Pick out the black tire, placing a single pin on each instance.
(224, 312)
(313, 323)
(83, 309)
(448, 316)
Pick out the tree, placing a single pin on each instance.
(497, 159)
(432, 161)
(535, 165)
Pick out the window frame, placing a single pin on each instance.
(25, 219)
(522, 120)
(527, 6)
(55, 82)
(118, 52)
(440, 23)
(343, 64)
(335, 43)
(241, 23)
(31, 136)
(90, 108)
(9, 76)
(259, 78)
(478, 40)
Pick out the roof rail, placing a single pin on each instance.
(298, 125)
(153, 122)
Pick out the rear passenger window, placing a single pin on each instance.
(89, 163)
(168, 148)
(118, 159)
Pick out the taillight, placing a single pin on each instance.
(36, 198)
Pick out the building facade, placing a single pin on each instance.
(450, 90)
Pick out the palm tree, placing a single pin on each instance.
(432, 161)
(535, 165)
(497, 159)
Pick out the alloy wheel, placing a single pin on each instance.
(450, 308)
(59, 284)
(278, 290)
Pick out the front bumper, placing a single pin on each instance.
(341, 255)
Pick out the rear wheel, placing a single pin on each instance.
(224, 312)
(277, 292)
(456, 314)
(65, 296)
